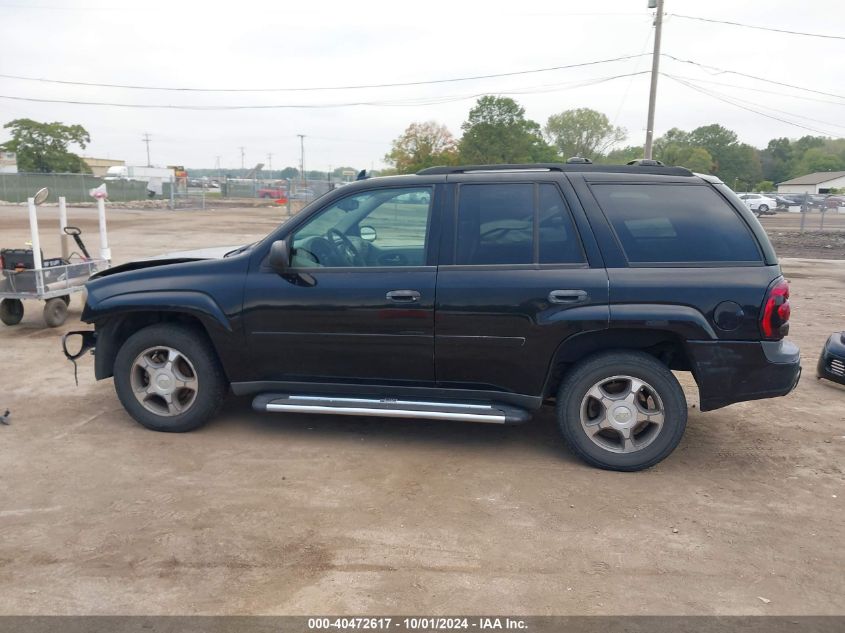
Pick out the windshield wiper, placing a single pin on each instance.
(240, 249)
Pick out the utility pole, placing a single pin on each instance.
(655, 67)
(242, 157)
(146, 140)
(302, 157)
(270, 164)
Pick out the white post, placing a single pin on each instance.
(105, 251)
(62, 225)
(36, 243)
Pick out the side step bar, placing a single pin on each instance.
(494, 413)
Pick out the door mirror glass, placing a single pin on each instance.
(41, 195)
(279, 259)
(368, 233)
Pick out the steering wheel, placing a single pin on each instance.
(344, 247)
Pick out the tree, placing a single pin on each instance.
(582, 132)
(714, 138)
(695, 159)
(422, 145)
(818, 159)
(43, 147)
(674, 136)
(622, 155)
(496, 131)
(777, 160)
(764, 185)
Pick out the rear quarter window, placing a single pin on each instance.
(676, 224)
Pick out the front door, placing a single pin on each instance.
(515, 281)
(357, 304)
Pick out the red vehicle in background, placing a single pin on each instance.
(834, 202)
(275, 190)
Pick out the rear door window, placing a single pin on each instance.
(515, 223)
(676, 224)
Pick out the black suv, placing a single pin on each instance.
(473, 293)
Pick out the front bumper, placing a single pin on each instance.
(735, 371)
(832, 360)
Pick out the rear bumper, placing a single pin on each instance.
(735, 371)
(832, 359)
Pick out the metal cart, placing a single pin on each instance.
(26, 274)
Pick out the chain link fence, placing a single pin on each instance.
(15, 188)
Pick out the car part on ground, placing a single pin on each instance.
(831, 365)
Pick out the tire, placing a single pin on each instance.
(66, 299)
(55, 312)
(649, 442)
(187, 408)
(763, 209)
(11, 311)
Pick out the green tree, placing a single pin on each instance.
(764, 185)
(622, 155)
(695, 159)
(777, 160)
(818, 159)
(496, 131)
(43, 147)
(422, 145)
(582, 132)
(674, 136)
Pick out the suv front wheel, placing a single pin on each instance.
(168, 378)
(621, 410)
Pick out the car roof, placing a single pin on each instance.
(663, 170)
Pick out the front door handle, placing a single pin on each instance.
(568, 296)
(403, 296)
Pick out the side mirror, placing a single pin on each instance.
(368, 233)
(279, 259)
(41, 195)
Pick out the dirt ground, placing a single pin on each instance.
(263, 514)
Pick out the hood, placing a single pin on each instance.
(216, 252)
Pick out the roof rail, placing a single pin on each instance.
(462, 169)
(646, 168)
(647, 162)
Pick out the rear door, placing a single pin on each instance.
(679, 241)
(519, 273)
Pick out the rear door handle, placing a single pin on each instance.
(403, 296)
(568, 296)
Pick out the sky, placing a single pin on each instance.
(268, 45)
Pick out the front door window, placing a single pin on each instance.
(387, 227)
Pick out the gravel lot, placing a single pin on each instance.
(295, 514)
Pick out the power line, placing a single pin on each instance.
(316, 88)
(735, 72)
(754, 26)
(768, 107)
(726, 99)
(780, 93)
(418, 101)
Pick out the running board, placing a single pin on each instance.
(494, 413)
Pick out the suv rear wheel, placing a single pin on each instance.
(621, 410)
(168, 378)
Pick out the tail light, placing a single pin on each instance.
(774, 322)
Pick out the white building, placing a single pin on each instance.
(819, 182)
(8, 163)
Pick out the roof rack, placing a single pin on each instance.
(574, 167)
